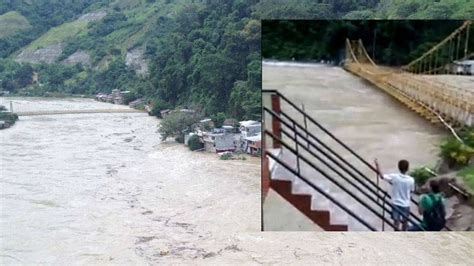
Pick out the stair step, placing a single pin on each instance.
(279, 172)
(304, 202)
(271, 161)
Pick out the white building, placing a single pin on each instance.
(464, 67)
(253, 145)
(219, 141)
(250, 128)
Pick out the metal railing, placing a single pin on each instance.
(365, 185)
(359, 188)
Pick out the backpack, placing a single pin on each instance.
(435, 217)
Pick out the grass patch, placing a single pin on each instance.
(467, 175)
(11, 23)
(60, 34)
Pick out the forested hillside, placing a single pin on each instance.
(390, 42)
(365, 9)
(202, 54)
(196, 54)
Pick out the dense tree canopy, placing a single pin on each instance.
(396, 42)
(206, 56)
(202, 54)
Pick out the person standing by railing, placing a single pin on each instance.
(433, 210)
(402, 187)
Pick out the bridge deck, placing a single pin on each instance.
(92, 111)
(437, 101)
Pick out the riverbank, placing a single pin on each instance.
(7, 119)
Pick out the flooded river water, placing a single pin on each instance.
(95, 188)
(101, 189)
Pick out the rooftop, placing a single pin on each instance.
(248, 123)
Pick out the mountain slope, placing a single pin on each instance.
(198, 54)
(11, 23)
(201, 54)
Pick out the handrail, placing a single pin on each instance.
(334, 138)
(336, 171)
(335, 162)
(325, 194)
(323, 129)
(330, 150)
(306, 116)
(378, 189)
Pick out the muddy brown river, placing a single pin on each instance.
(102, 189)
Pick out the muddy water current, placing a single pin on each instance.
(102, 189)
(94, 188)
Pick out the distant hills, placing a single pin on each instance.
(202, 54)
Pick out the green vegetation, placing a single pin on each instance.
(468, 177)
(426, 9)
(11, 23)
(226, 156)
(14, 76)
(365, 9)
(218, 120)
(176, 124)
(201, 54)
(58, 34)
(194, 143)
(8, 118)
(42, 16)
(458, 154)
(396, 42)
(422, 174)
(230, 156)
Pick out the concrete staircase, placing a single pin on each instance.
(313, 204)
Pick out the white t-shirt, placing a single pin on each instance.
(402, 186)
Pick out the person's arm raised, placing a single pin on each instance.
(379, 172)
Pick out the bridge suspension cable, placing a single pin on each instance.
(439, 103)
(458, 46)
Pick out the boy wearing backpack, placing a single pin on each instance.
(431, 206)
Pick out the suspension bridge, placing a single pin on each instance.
(92, 111)
(439, 102)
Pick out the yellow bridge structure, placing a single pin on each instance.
(86, 111)
(438, 102)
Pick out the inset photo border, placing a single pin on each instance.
(368, 125)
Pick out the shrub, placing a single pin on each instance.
(159, 105)
(467, 175)
(226, 156)
(421, 175)
(174, 124)
(129, 97)
(457, 153)
(194, 143)
(218, 120)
